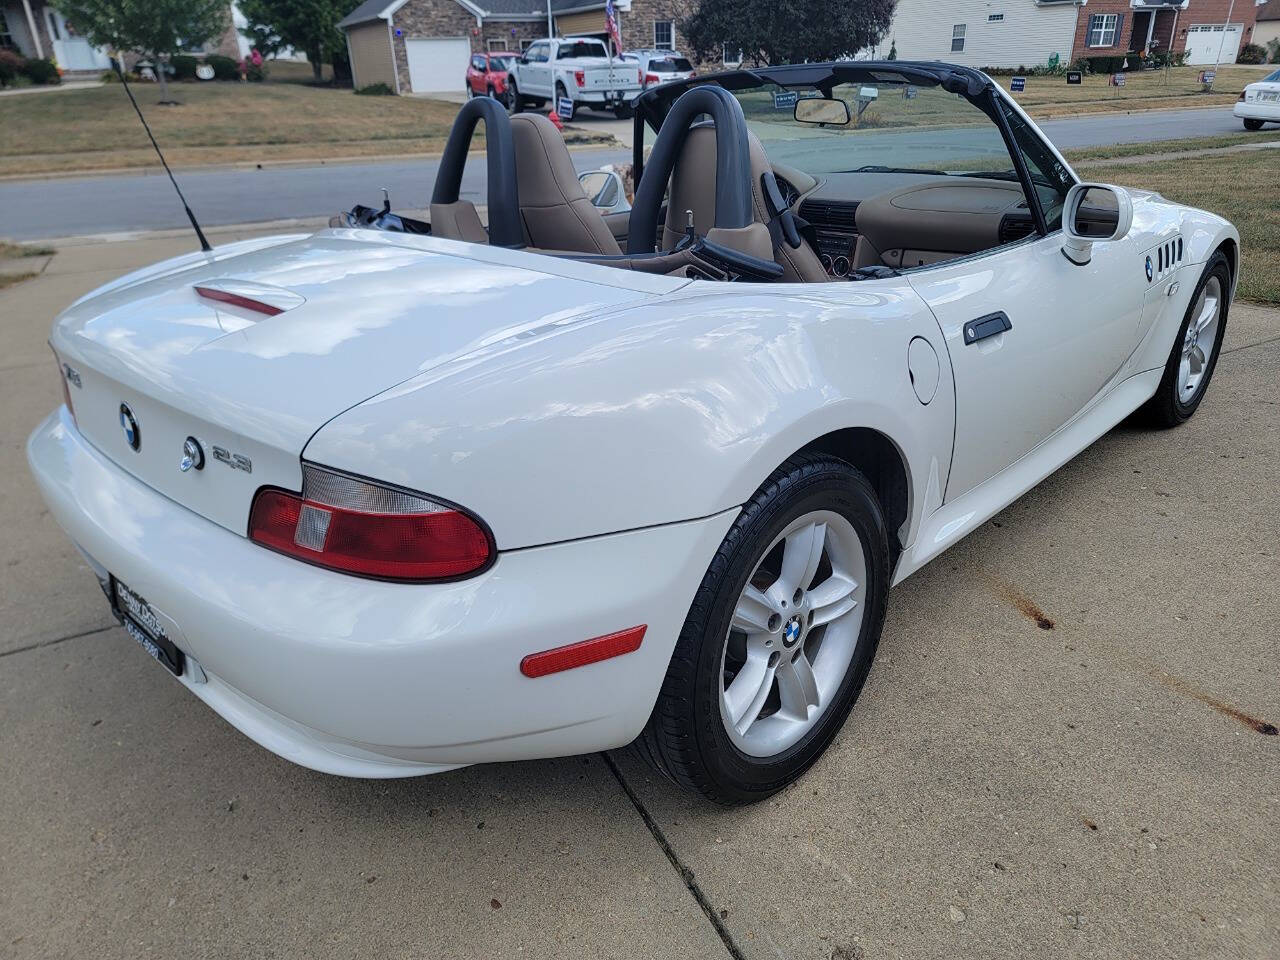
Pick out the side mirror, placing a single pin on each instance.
(1094, 213)
(605, 190)
(815, 110)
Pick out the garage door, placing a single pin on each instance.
(1204, 41)
(437, 64)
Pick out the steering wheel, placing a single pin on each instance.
(500, 153)
(733, 165)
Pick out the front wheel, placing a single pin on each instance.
(511, 98)
(779, 638)
(1251, 124)
(1195, 350)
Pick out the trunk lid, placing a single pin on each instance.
(352, 313)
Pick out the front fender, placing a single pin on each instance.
(674, 408)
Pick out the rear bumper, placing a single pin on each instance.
(1258, 111)
(369, 679)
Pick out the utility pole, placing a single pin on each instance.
(551, 24)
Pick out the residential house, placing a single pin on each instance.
(1200, 28)
(36, 30)
(1267, 28)
(982, 33)
(423, 46)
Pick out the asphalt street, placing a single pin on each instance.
(38, 209)
(1065, 749)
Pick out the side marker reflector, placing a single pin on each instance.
(580, 654)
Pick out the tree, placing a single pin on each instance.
(306, 25)
(771, 32)
(156, 28)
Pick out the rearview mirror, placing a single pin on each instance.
(605, 190)
(814, 110)
(1094, 213)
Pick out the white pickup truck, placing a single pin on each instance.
(577, 69)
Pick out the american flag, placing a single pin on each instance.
(611, 24)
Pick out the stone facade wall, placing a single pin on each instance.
(510, 33)
(429, 18)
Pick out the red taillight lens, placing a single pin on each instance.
(580, 77)
(359, 527)
(62, 379)
(652, 78)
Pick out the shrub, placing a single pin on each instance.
(182, 67)
(1252, 53)
(376, 90)
(1273, 50)
(1106, 64)
(224, 68)
(41, 71)
(10, 67)
(253, 72)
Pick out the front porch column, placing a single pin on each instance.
(31, 25)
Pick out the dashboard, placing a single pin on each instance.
(904, 219)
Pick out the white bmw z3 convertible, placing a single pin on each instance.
(395, 497)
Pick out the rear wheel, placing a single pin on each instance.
(1195, 350)
(779, 638)
(622, 110)
(563, 94)
(470, 93)
(1253, 124)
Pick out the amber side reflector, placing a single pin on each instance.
(580, 654)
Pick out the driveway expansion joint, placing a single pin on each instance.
(686, 875)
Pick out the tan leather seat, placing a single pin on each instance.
(553, 207)
(693, 187)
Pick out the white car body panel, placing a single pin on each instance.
(1261, 102)
(605, 424)
(600, 76)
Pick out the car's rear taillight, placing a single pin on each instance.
(651, 78)
(369, 529)
(580, 77)
(64, 372)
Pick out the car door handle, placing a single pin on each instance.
(988, 326)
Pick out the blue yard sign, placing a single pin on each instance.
(564, 107)
(1017, 84)
(785, 99)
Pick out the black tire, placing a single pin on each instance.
(470, 93)
(512, 99)
(623, 111)
(563, 94)
(1166, 408)
(685, 738)
(1253, 124)
(491, 93)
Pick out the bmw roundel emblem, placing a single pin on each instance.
(132, 434)
(791, 633)
(1150, 270)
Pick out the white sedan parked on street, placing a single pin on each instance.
(394, 498)
(1259, 102)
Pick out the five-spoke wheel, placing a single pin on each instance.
(779, 637)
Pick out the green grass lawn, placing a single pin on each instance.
(1239, 186)
(87, 130)
(1143, 90)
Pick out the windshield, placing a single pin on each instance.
(1272, 77)
(892, 128)
(581, 48)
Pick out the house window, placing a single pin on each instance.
(730, 58)
(525, 45)
(664, 34)
(1103, 28)
(957, 37)
(995, 18)
(6, 38)
(491, 45)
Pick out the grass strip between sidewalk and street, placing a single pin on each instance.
(1240, 186)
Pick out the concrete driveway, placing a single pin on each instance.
(1063, 751)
